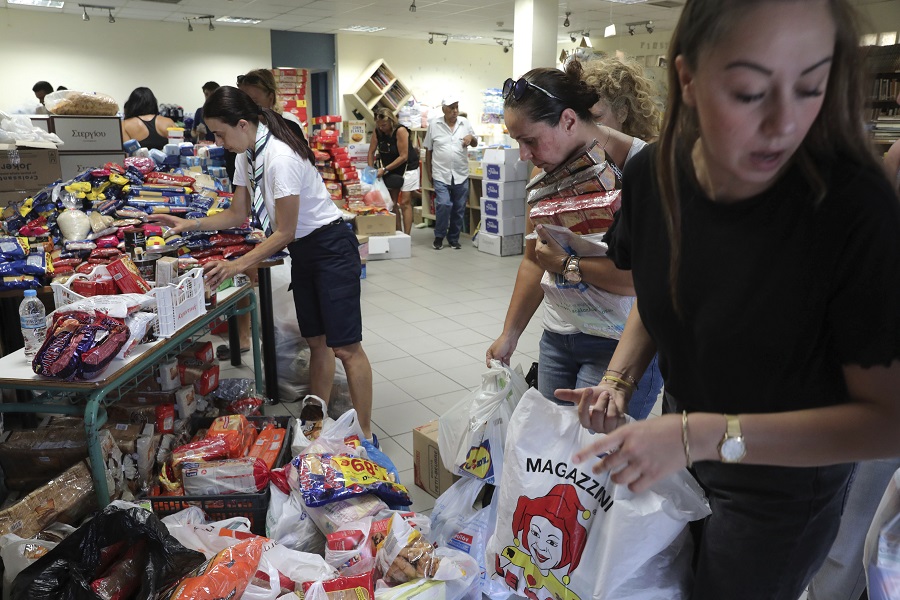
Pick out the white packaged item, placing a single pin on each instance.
(350, 549)
(185, 401)
(234, 476)
(564, 532)
(169, 379)
(330, 517)
(471, 434)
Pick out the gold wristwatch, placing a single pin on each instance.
(732, 448)
(572, 270)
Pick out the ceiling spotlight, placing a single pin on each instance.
(211, 26)
(412, 7)
(84, 15)
(431, 39)
(566, 22)
(573, 37)
(631, 30)
(505, 49)
(446, 39)
(649, 26)
(112, 19)
(190, 27)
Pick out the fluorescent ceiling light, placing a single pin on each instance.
(239, 20)
(41, 3)
(609, 31)
(363, 28)
(466, 37)
(628, 1)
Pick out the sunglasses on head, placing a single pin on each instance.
(381, 117)
(517, 88)
(248, 79)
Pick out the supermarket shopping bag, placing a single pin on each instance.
(566, 533)
(472, 433)
(881, 554)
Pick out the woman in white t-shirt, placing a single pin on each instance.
(277, 185)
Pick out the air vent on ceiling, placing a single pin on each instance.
(666, 3)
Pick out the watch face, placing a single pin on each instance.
(732, 449)
(572, 276)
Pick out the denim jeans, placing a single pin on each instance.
(579, 360)
(450, 208)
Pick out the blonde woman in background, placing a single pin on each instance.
(626, 97)
(399, 163)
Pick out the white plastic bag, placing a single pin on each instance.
(591, 309)
(18, 554)
(298, 567)
(302, 440)
(288, 523)
(472, 433)
(267, 588)
(350, 549)
(456, 523)
(881, 555)
(562, 531)
(211, 538)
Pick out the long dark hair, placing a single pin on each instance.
(838, 129)
(568, 87)
(230, 105)
(141, 102)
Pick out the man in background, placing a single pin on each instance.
(200, 132)
(41, 89)
(447, 164)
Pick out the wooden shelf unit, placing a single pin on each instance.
(472, 218)
(377, 87)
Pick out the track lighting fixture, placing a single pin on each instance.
(573, 37)
(412, 7)
(431, 39)
(649, 26)
(211, 26)
(566, 22)
(631, 30)
(190, 27)
(112, 19)
(446, 39)
(209, 18)
(84, 15)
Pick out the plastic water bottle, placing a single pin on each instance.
(34, 322)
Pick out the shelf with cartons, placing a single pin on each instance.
(882, 108)
(377, 87)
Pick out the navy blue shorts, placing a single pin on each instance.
(325, 270)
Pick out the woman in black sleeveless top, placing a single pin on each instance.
(399, 161)
(143, 122)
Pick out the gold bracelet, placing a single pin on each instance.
(684, 439)
(625, 376)
(617, 380)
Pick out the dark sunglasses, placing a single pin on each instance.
(381, 117)
(517, 89)
(248, 79)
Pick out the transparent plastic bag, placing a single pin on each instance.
(881, 555)
(71, 102)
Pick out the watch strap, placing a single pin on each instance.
(732, 426)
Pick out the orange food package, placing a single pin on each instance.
(226, 575)
(268, 444)
(236, 430)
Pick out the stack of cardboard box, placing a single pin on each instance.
(503, 202)
(291, 85)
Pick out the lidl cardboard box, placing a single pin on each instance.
(428, 470)
(28, 168)
(375, 225)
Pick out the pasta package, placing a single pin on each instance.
(324, 478)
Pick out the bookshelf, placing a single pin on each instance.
(377, 87)
(882, 108)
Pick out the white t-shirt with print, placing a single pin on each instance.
(287, 174)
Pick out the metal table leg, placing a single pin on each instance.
(268, 333)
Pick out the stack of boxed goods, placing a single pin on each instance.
(25, 169)
(291, 85)
(332, 159)
(476, 157)
(178, 154)
(503, 203)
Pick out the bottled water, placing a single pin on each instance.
(34, 323)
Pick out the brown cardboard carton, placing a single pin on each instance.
(373, 225)
(43, 452)
(429, 471)
(23, 168)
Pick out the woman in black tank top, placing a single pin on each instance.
(142, 120)
(399, 163)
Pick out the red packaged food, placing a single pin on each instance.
(165, 418)
(226, 575)
(124, 577)
(268, 444)
(236, 250)
(358, 587)
(127, 276)
(236, 430)
(209, 259)
(225, 239)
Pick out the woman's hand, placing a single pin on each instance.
(217, 271)
(381, 172)
(601, 408)
(176, 224)
(639, 454)
(550, 255)
(502, 349)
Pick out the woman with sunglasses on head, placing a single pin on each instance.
(277, 185)
(399, 163)
(764, 243)
(548, 112)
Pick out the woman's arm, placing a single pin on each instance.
(526, 298)
(286, 210)
(598, 271)
(373, 143)
(163, 124)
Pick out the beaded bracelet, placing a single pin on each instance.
(684, 439)
(612, 379)
(625, 376)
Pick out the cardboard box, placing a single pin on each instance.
(500, 156)
(386, 247)
(503, 227)
(7, 198)
(417, 215)
(503, 209)
(375, 225)
(73, 164)
(354, 132)
(44, 452)
(517, 171)
(504, 190)
(501, 246)
(88, 134)
(428, 469)
(202, 351)
(26, 168)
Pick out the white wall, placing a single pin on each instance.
(115, 58)
(428, 70)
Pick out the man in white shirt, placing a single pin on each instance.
(447, 164)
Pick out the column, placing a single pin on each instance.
(534, 41)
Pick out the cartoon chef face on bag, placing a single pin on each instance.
(548, 537)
